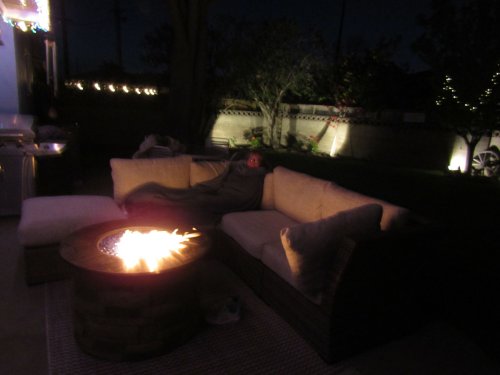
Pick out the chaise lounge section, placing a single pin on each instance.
(369, 286)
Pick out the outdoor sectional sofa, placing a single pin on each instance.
(347, 271)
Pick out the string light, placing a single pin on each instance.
(482, 99)
(111, 88)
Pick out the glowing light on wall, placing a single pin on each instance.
(457, 162)
(27, 15)
(333, 149)
(111, 88)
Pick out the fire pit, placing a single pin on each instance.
(130, 307)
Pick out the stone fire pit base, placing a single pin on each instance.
(131, 317)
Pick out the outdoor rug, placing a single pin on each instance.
(259, 343)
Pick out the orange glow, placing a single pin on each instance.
(150, 248)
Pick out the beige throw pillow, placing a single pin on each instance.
(317, 252)
(128, 174)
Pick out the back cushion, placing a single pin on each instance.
(338, 198)
(202, 171)
(129, 174)
(298, 195)
(268, 193)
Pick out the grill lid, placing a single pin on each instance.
(16, 127)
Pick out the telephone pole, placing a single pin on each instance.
(338, 48)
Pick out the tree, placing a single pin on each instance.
(461, 45)
(187, 69)
(266, 62)
(366, 78)
(156, 48)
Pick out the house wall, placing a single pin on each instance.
(9, 92)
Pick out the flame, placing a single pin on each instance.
(153, 247)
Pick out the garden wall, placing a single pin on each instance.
(395, 138)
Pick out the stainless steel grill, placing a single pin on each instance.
(17, 162)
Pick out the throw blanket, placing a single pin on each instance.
(238, 188)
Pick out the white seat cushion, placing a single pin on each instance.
(47, 220)
(252, 229)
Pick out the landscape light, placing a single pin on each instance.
(457, 162)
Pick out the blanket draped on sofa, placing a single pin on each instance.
(238, 188)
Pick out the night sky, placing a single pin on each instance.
(91, 31)
(368, 20)
(92, 39)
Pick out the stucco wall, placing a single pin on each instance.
(405, 144)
